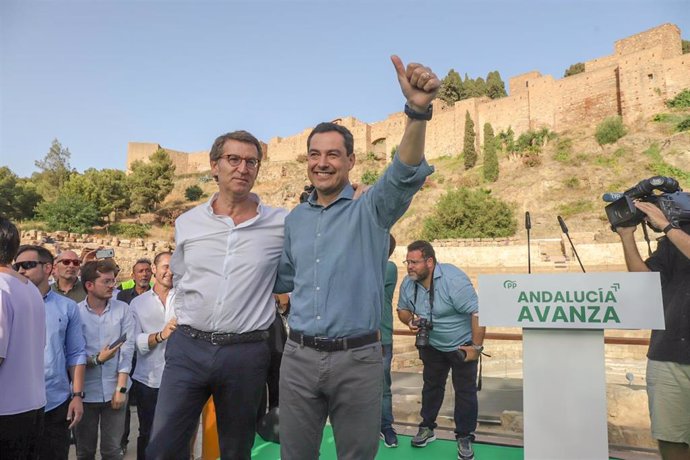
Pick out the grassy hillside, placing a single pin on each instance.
(573, 173)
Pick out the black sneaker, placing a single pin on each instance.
(423, 437)
(390, 437)
(465, 451)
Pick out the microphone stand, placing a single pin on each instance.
(564, 228)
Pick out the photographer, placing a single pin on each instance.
(668, 368)
(439, 304)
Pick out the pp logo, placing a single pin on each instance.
(509, 284)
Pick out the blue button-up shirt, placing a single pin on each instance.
(102, 330)
(334, 257)
(65, 346)
(455, 300)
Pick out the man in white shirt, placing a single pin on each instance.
(154, 321)
(224, 270)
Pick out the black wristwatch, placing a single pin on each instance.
(425, 116)
(122, 390)
(670, 227)
(74, 394)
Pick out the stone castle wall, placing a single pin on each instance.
(645, 70)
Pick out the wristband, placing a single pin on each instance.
(424, 116)
(80, 394)
(669, 227)
(158, 337)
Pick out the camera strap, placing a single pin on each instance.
(431, 298)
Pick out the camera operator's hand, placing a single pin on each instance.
(413, 324)
(626, 231)
(471, 353)
(654, 215)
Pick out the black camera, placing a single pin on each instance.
(672, 201)
(423, 327)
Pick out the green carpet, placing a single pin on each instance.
(440, 449)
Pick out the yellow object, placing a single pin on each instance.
(210, 449)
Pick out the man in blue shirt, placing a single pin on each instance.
(65, 354)
(334, 262)
(106, 380)
(443, 295)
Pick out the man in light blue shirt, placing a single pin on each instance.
(334, 261)
(65, 355)
(107, 369)
(439, 304)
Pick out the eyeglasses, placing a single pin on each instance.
(27, 264)
(414, 262)
(109, 283)
(74, 262)
(236, 160)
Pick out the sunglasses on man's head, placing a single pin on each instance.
(74, 262)
(26, 265)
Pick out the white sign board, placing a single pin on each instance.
(610, 300)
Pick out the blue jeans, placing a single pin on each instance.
(387, 400)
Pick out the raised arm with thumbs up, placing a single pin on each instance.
(419, 85)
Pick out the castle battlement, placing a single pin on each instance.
(643, 72)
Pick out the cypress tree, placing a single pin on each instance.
(490, 157)
(469, 152)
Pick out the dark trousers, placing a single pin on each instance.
(195, 370)
(437, 364)
(20, 434)
(54, 444)
(146, 406)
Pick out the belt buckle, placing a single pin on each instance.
(322, 343)
(216, 338)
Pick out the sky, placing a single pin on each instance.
(97, 74)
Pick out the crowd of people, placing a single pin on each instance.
(207, 320)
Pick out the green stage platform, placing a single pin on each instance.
(438, 450)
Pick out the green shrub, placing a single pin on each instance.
(68, 213)
(683, 125)
(393, 150)
(369, 177)
(193, 192)
(531, 158)
(464, 213)
(681, 100)
(610, 130)
(660, 168)
(129, 230)
(564, 149)
(490, 157)
(572, 182)
(575, 207)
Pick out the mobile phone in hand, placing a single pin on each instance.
(120, 340)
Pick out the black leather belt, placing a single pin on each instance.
(327, 344)
(223, 338)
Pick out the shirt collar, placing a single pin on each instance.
(252, 196)
(88, 307)
(347, 193)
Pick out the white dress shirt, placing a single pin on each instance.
(224, 273)
(150, 316)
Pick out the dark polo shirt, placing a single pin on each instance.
(672, 344)
(77, 293)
